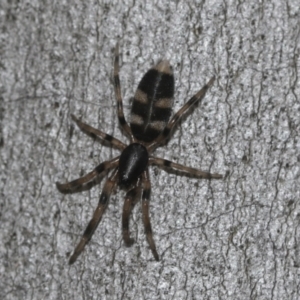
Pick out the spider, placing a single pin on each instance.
(150, 126)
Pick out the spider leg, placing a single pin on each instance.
(94, 222)
(72, 186)
(131, 199)
(181, 168)
(93, 132)
(117, 87)
(145, 209)
(185, 109)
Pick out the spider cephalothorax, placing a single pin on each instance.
(150, 127)
(133, 162)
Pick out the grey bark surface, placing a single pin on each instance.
(237, 238)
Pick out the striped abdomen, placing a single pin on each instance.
(152, 104)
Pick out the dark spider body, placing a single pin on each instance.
(150, 127)
(150, 112)
(152, 103)
(133, 162)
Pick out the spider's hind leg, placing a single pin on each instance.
(117, 86)
(93, 133)
(184, 110)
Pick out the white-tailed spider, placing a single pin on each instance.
(150, 127)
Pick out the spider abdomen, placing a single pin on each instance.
(133, 162)
(152, 104)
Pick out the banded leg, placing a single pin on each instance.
(72, 186)
(117, 86)
(131, 199)
(93, 132)
(181, 168)
(94, 222)
(145, 210)
(186, 108)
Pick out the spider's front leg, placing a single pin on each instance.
(93, 224)
(145, 209)
(131, 199)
